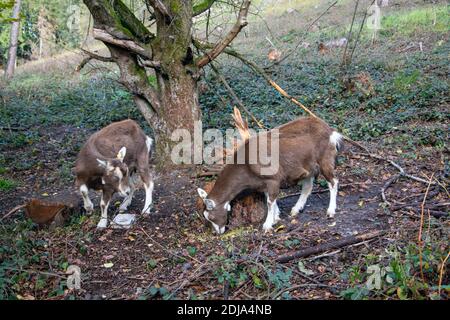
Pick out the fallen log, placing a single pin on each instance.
(330, 246)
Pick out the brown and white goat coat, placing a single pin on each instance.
(307, 148)
(114, 159)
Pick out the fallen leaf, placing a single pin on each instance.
(303, 269)
(108, 265)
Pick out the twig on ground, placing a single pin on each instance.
(397, 166)
(419, 237)
(298, 286)
(45, 273)
(390, 182)
(195, 275)
(324, 255)
(166, 249)
(324, 190)
(330, 245)
(10, 213)
(13, 129)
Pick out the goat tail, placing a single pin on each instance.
(336, 140)
(149, 143)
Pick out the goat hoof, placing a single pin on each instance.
(294, 213)
(267, 229)
(89, 210)
(103, 223)
(330, 214)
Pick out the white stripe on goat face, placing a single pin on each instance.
(218, 229)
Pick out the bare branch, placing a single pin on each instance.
(160, 7)
(221, 45)
(306, 30)
(260, 71)
(91, 56)
(118, 20)
(149, 63)
(104, 36)
(234, 96)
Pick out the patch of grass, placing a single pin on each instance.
(7, 184)
(37, 100)
(428, 19)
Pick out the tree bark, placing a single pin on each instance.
(13, 42)
(172, 103)
(177, 78)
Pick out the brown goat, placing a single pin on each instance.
(113, 160)
(307, 147)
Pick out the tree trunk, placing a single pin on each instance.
(177, 78)
(172, 103)
(179, 108)
(14, 39)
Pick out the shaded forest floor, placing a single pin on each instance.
(396, 104)
(173, 254)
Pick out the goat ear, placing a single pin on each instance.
(122, 153)
(202, 193)
(102, 163)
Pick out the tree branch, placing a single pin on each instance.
(149, 63)
(260, 71)
(221, 45)
(234, 95)
(91, 56)
(160, 7)
(134, 77)
(105, 36)
(118, 20)
(203, 6)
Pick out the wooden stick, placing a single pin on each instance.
(234, 96)
(419, 237)
(441, 272)
(13, 211)
(221, 45)
(104, 36)
(330, 246)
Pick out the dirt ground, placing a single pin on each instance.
(173, 249)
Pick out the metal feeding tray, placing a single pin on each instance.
(123, 221)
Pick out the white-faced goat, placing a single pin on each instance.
(307, 148)
(114, 159)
